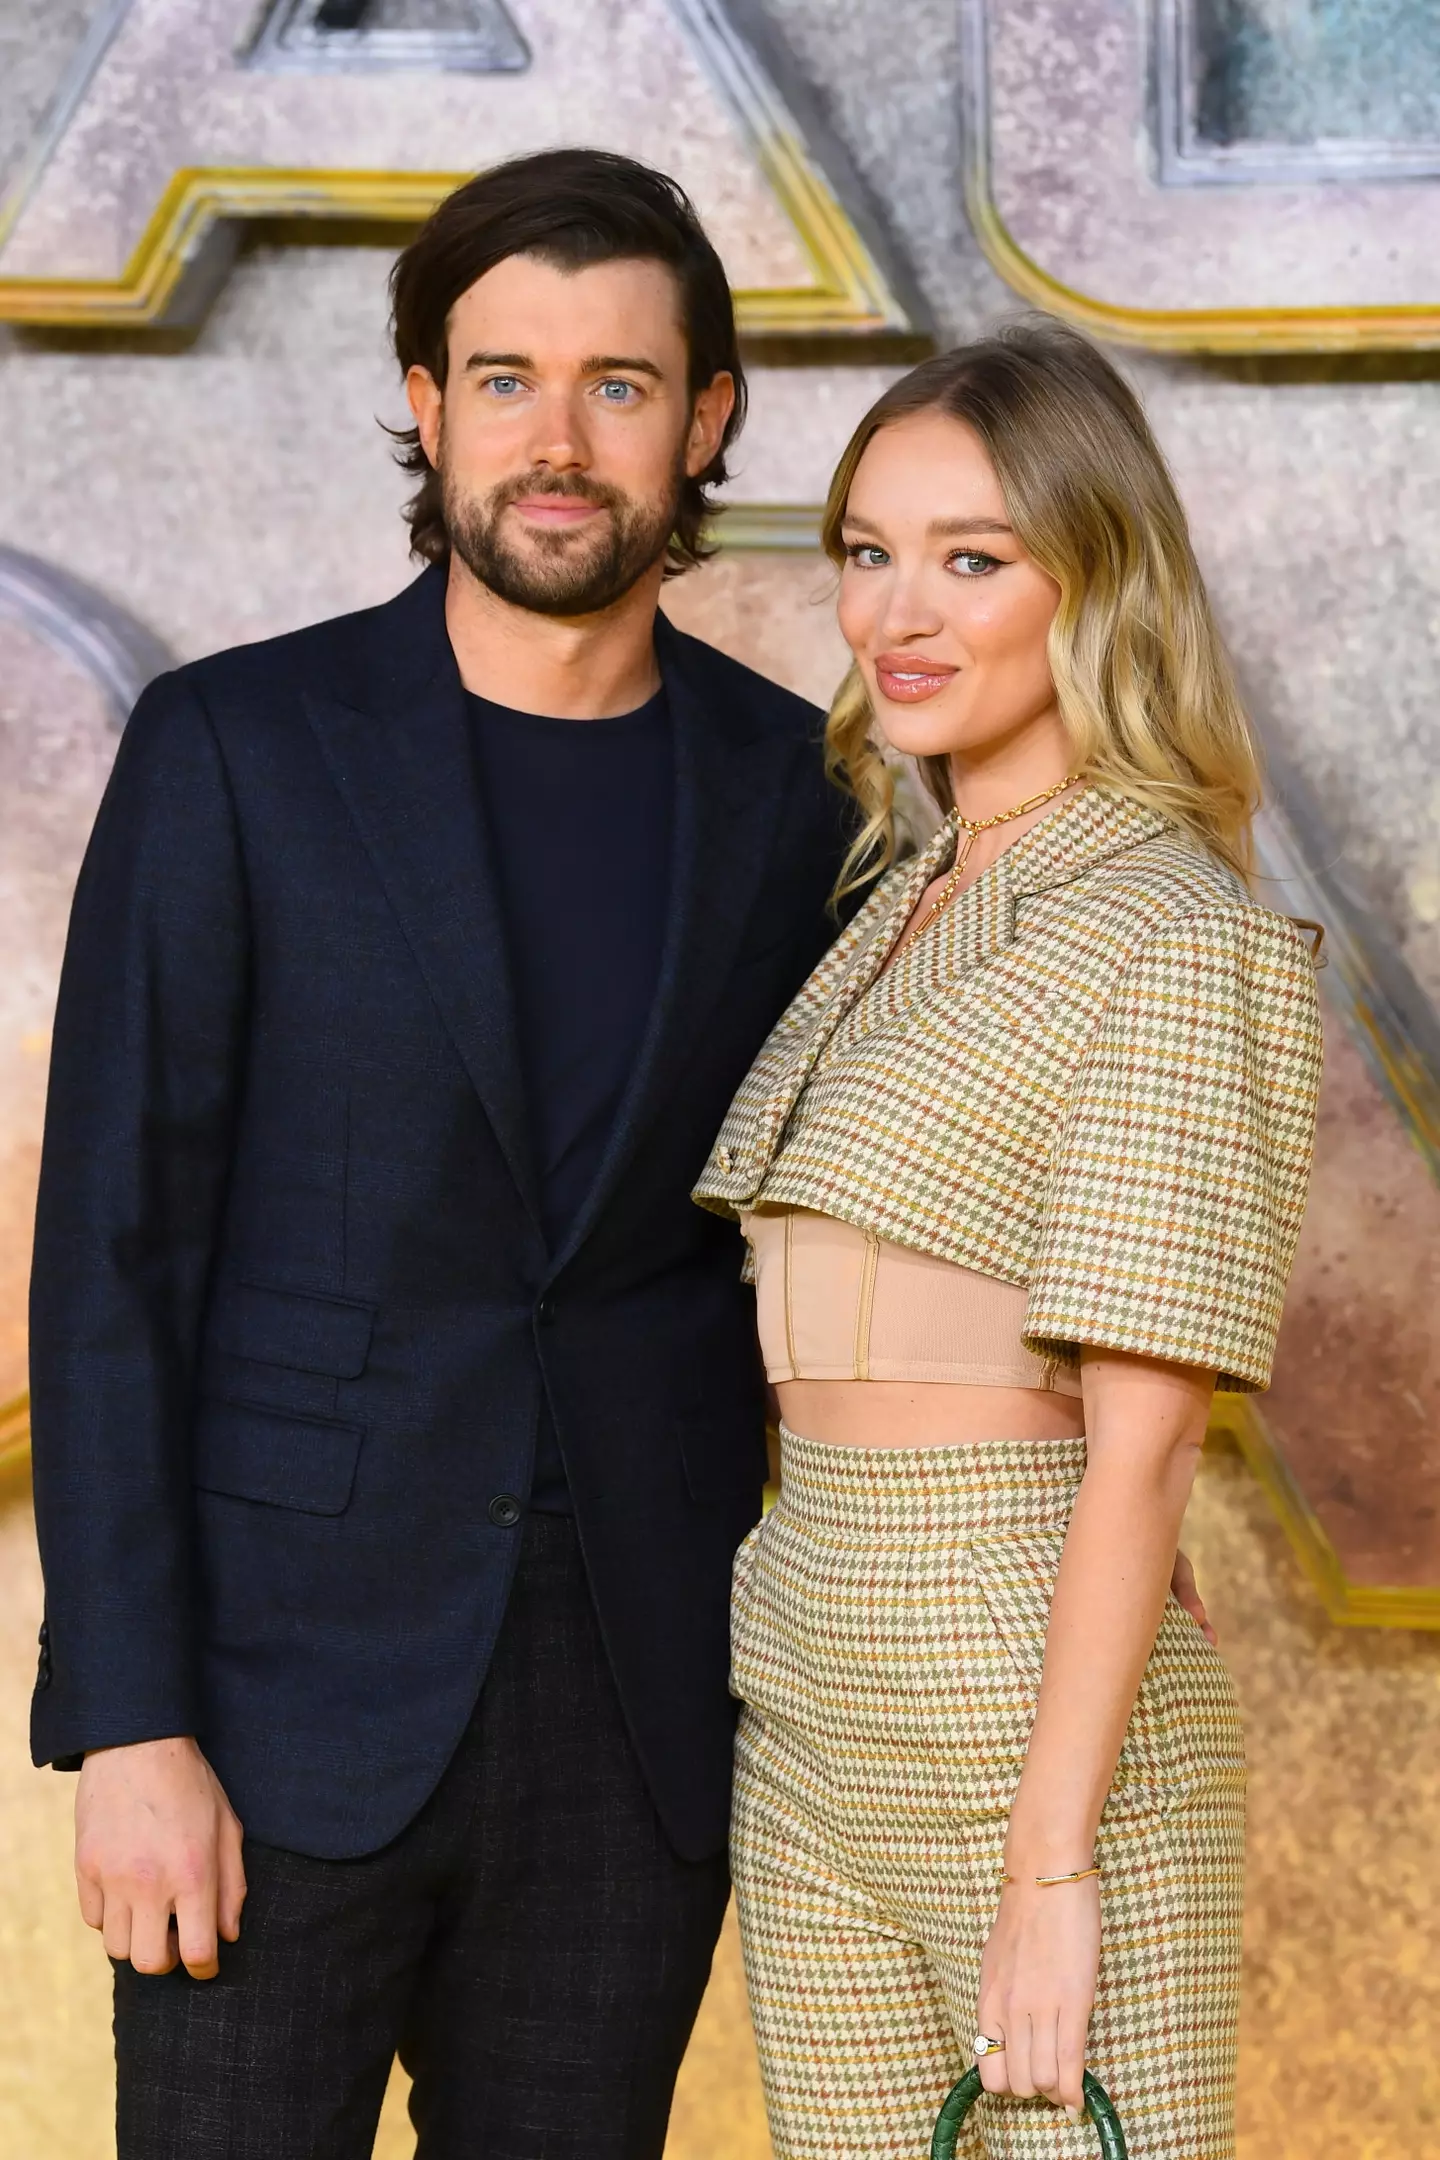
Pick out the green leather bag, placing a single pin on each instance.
(967, 2092)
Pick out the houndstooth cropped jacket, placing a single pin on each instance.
(1095, 1076)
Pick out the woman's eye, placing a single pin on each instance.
(972, 562)
(865, 556)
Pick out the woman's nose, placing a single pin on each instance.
(908, 611)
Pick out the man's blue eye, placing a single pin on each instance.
(504, 384)
(617, 393)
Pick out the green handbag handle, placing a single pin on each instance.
(967, 2092)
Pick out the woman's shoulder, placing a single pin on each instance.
(1170, 895)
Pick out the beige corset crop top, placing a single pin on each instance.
(837, 1303)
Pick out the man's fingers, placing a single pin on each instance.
(152, 1946)
(115, 1926)
(232, 1880)
(92, 1900)
(196, 1933)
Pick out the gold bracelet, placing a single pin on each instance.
(1049, 1882)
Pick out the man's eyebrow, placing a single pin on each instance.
(498, 359)
(621, 364)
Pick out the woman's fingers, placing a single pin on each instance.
(1045, 2053)
(994, 2071)
(1019, 2056)
(1186, 1592)
(1069, 2088)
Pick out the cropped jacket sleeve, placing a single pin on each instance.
(1175, 1193)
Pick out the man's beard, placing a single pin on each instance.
(560, 572)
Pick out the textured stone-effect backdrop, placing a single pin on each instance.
(241, 487)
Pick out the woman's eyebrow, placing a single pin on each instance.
(940, 528)
(947, 528)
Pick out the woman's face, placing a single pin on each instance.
(945, 613)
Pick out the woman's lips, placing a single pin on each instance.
(903, 680)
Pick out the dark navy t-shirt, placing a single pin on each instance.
(581, 815)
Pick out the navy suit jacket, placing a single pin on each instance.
(292, 1308)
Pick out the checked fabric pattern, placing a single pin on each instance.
(889, 1627)
(1095, 1075)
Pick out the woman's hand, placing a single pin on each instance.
(1186, 1592)
(1037, 1989)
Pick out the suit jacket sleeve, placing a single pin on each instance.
(143, 1087)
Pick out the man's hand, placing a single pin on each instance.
(155, 1835)
(1184, 1589)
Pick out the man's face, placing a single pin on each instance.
(565, 429)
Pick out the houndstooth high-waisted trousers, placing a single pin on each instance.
(889, 1626)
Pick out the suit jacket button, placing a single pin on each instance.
(545, 1311)
(505, 1511)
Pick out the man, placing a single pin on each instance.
(396, 1415)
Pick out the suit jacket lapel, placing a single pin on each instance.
(730, 781)
(398, 749)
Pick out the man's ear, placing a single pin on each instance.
(713, 407)
(425, 400)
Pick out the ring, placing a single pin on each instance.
(982, 2044)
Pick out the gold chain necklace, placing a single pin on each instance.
(972, 828)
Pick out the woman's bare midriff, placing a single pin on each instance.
(917, 1414)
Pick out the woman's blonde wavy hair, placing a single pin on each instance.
(1142, 679)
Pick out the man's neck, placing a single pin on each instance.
(587, 667)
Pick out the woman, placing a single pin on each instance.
(1022, 1170)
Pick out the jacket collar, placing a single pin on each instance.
(1095, 826)
(391, 722)
(390, 719)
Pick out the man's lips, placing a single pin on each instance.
(906, 679)
(556, 509)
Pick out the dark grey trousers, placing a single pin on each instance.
(530, 1946)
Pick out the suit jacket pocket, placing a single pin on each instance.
(290, 1462)
(293, 1328)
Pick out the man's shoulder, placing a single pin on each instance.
(764, 700)
(318, 656)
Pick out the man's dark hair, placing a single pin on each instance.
(571, 208)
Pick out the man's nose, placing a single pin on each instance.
(558, 438)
